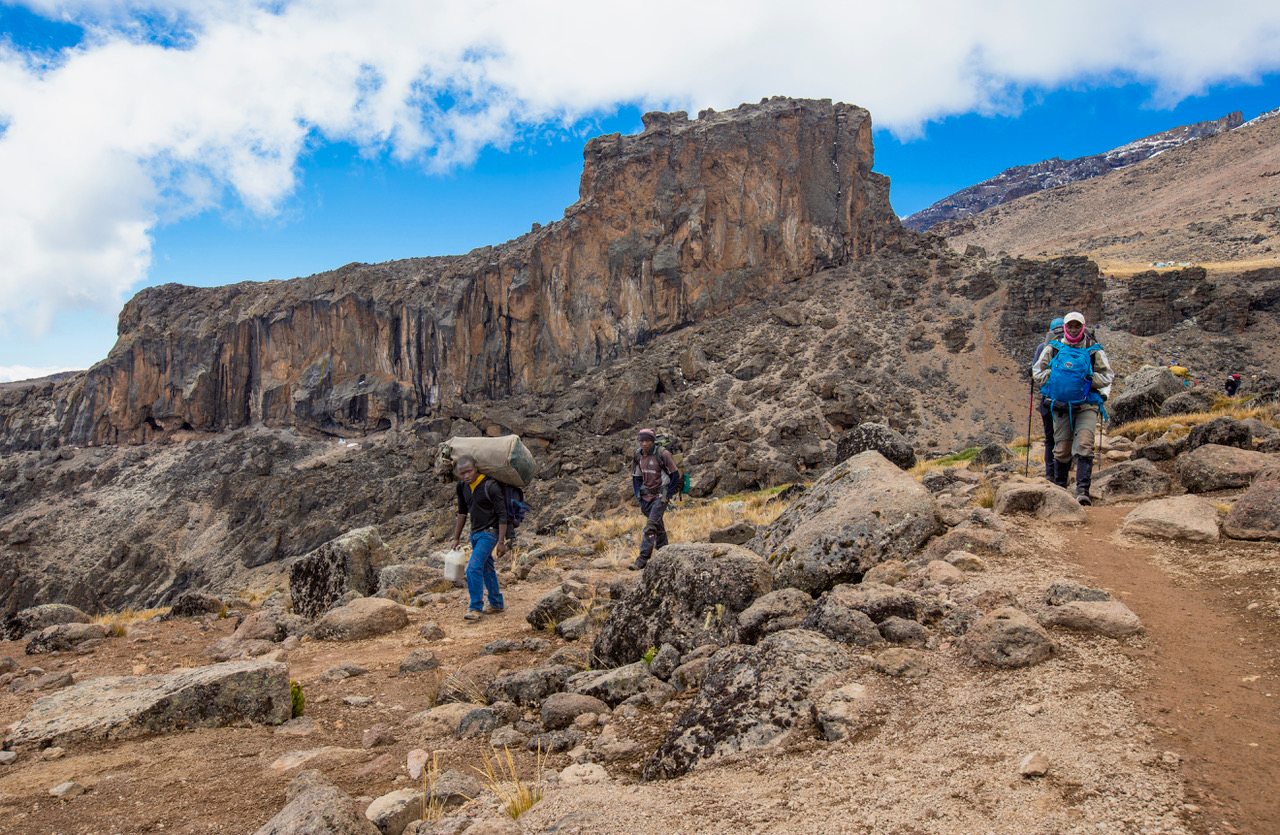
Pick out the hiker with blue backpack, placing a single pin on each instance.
(1075, 378)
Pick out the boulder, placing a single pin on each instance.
(847, 711)
(1223, 431)
(351, 562)
(991, 454)
(391, 813)
(34, 619)
(1216, 467)
(193, 604)
(1161, 449)
(364, 617)
(860, 513)
(775, 611)
(613, 687)
(442, 720)
(1188, 518)
(753, 698)
(739, 533)
(1142, 394)
(560, 709)
(1102, 617)
(554, 606)
(419, 661)
(689, 594)
(1131, 481)
(1256, 514)
(64, 636)
(529, 687)
(122, 707)
(317, 807)
(407, 578)
(1038, 498)
(898, 630)
(878, 437)
(1008, 637)
(1065, 591)
(1186, 402)
(833, 617)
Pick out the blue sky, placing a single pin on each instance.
(180, 142)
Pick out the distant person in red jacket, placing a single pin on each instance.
(1232, 385)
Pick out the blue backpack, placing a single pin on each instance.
(1071, 375)
(517, 508)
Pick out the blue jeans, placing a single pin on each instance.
(481, 574)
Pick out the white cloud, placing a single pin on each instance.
(12, 373)
(125, 132)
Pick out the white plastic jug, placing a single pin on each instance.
(455, 566)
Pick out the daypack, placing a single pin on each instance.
(685, 484)
(1071, 375)
(517, 507)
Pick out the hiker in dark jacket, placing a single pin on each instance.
(481, 499)
(1232, 385)
(655, 479)
(1076, 386)
(1042, 406)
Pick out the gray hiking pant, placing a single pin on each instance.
(1073, 431)
(654, 535)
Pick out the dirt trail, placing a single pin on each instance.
(1212, 693)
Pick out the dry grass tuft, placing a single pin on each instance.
(503, 779)
(118, 622)
(1179, 425)
(432, 806)
(985, 496)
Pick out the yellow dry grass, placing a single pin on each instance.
(687, 521)
(1128, 269)
(1179, 425)
(503, 779)
(120, 620)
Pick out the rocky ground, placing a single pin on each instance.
(1036, 667)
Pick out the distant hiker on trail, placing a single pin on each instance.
(1075, 377)
(1046, 417)
(481, 498)
(1232, 385)
(655, 478)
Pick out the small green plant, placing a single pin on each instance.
(299, 700)
(649, 655)
(502, 778)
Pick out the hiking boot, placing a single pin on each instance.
(638, 565)
(1061, 471)
(1084, 479)
(494, 610)
(473, 614)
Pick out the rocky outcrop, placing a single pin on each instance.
(352, 562)
(1141, 395)
(1256, 514)
(123, 707)
(673, 225)
(38, 617)
(862, 512)
(1215, 467)
(690, 594)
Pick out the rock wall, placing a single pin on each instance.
(673, 225)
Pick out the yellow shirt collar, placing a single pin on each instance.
(476, 483)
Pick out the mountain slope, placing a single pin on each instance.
(1209, 201)
(1022, 180)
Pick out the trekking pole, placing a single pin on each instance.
(1031, 407)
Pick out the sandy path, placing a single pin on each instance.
(1213, 692)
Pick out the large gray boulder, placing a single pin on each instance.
(753, 698)
(1008, 637)
(529, 687)
(1256, 514)
(351, 562)
(1038, 498)
(689, 594)
(1142, 394)
(882, 439)
(122, 707)
(1223, 431)
(364, 617)
(1216, 467)
(1101, 617)
(774, 612)
(22, 623)
(64, 636)
(1187, 401)
(1187, 518)
(860, 513)
(317, 807)
(613, 687)
(1131, 481)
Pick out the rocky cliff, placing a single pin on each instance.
(1022, 180)
(673, 225)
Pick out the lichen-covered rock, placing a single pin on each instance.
(613, 687)
(1223, 431)
(1131, 481)
(859, 513)
(879, 437)
(1008, 637)
(553, 607)
(753, 698)
(690, 594)
(773, 612)
(1188, 518)
(1039, 498)
(529, 687)
(193, 604)
(123, 707)
(351, 562)
(18, 625)
(1187, 402)
(1256, 514)
(64, 636)
(1216, 467)
(1142, 394)
(364, 617)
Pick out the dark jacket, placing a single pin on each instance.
(648, 471)
(487, 506)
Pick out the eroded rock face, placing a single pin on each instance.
(673, 225)
(123, 707)
(752, 698)
(861, 512)
(690, 594)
